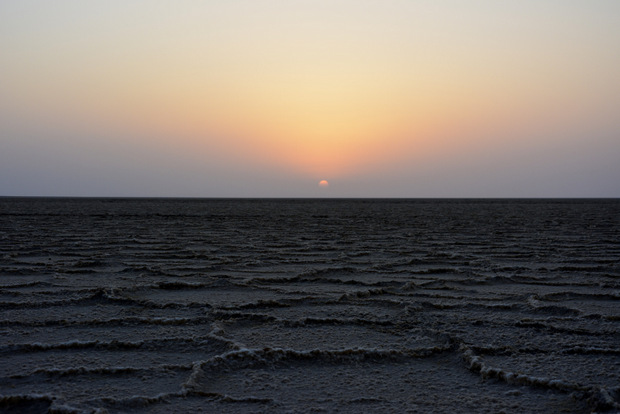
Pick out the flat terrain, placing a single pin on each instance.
(171, 305)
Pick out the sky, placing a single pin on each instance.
(270, 98)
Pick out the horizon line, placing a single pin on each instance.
(299, 198)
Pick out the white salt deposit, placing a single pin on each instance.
(241, 306)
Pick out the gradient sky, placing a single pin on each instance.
(265, 98)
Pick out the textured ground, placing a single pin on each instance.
(309, 305)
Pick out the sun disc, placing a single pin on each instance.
(323, 183)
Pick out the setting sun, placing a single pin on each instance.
(259, 99)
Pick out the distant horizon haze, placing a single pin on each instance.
(246, 99)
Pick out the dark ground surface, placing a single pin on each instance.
(169, 305)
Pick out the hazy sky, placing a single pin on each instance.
(253, 98)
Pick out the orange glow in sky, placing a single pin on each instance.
(360, 91)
